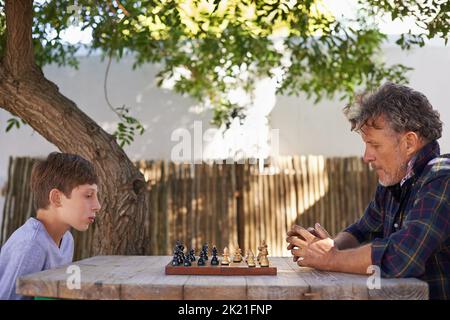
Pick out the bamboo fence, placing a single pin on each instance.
(226, 204)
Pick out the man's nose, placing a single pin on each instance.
(368, 157)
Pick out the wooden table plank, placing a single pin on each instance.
(103, 277)
(346, 286)
(143, 277)
(43, 284)
(215, 288)
(137, 277)
(407, 289)
(287, 285)
(153, 284)
(92, 286)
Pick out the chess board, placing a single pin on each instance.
(233, 269)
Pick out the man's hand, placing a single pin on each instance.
(322, 252)
(318, 232)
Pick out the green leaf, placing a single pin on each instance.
(11, 123)
(328, 57)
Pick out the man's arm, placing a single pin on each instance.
(345, 240)
(323, 254)
(355, 260)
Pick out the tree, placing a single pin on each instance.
(208, 48)
(26, 93)
(432, 18)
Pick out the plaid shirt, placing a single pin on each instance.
(408, 223)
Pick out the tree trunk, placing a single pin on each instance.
(26, 93)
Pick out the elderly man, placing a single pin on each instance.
(405, 228)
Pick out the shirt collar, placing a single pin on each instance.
(409, 170)
(416, 165)
(422, 157)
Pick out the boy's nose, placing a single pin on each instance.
(97, 206)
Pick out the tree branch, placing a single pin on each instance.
(19, 54)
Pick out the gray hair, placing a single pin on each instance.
(403, 108)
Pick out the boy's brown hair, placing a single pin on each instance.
(60, 171)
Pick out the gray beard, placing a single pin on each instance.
(403, 167)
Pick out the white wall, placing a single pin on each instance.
(304, 128)
(322, 129)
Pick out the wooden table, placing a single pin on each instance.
(143, 277)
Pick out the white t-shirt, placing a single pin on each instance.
(30, 249)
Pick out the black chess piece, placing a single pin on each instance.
(187, 261)
(200, 261)
(205, 251)
(180, 256)
(192, 255)
(175, 259)
(179, 245)
(214, 260)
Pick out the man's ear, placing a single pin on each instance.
(54, 198)
(412, 143)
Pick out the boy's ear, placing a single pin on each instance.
(54, 198)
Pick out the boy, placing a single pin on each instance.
(64, 189)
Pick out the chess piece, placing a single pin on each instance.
(262, 250)
(175, 259)
(187, 261)
(180, 256)
(251, 259)
(237, 255)
(205, 251)
(179, 245)
(263, 260)
(192, 255)
(214, 260)
(226, 257)
(200, 261)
